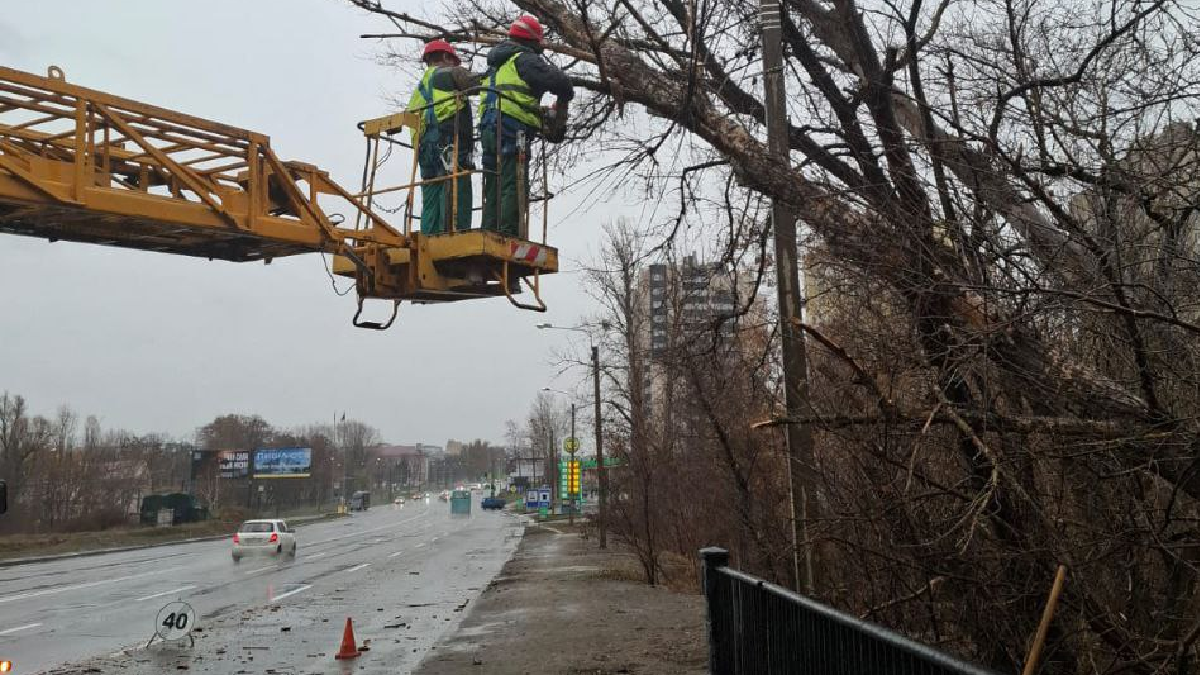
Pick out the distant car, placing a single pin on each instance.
(444, 496)
(415, 496)
(398, 501)
(271, 537)
(492, 503)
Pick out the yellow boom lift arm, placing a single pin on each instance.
(85, 166)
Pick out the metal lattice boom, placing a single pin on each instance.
(85, 166)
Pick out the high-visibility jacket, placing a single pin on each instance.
(506, 88)
(445, 104)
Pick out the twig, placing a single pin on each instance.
(1035, 651)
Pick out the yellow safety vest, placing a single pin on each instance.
(515, 98)
(445, 104)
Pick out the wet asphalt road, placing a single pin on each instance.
(404, 574)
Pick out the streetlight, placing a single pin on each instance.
(601, 471)
(571, 450)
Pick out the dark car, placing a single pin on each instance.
(493, 503)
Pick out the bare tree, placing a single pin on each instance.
(1004, 204)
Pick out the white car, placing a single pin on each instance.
(264, 536)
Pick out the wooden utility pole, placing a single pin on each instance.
(601, 476)
(795, 359)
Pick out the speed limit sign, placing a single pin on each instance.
(174, 621)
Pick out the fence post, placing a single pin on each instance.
(718, 630)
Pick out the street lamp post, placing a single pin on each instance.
(557, 481)
(601, 471)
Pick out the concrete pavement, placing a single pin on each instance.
(98, 613)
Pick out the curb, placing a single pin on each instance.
(8, 563)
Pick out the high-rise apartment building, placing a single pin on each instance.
(690, 298)
(692, 305)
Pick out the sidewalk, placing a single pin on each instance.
(563, 606)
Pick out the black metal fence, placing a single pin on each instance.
(755, 627)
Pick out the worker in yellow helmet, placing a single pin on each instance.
(441, 101)
(511, 115)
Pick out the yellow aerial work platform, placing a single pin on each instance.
(85, 166)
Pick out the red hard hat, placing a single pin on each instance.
(435, 46)
(527, 27)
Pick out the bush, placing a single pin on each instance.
(98, 520)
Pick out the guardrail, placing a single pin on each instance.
(755, 627)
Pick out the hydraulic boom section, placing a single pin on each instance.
(85, 166)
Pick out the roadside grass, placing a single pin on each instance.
(40, 544)
(44, 544)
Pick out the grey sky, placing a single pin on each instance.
(151, 342)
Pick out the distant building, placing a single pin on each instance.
(1154, 237)
(431, 451)
(690, 298)
(692, 303)
(399, 465)
(527, 473)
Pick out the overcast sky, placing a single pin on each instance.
(155, 343)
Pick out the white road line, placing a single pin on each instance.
(420, 545)
(169, 591)
(85, 585)
(294, 591)
(258, 570)
(316, 556)
(364, 531)
(358, 567)
(16, 629)
(394, 554)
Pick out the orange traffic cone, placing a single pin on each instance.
(349, 647)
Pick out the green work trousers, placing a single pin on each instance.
(436, 197)
(506, 187)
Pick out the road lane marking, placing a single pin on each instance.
(394, 554)
(294, 591)
(358, 567)
(420, 545)
(85, 585)
(169, 591)
(316, 556)
(364, 531)
(258, 570)
(16, 629)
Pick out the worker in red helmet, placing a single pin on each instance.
(511, 116)
(442, 102)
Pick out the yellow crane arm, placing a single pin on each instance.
(82, 165)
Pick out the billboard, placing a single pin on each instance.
(233, 464)
(203, 464)
(276, 463)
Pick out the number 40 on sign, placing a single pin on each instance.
(174, 621)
